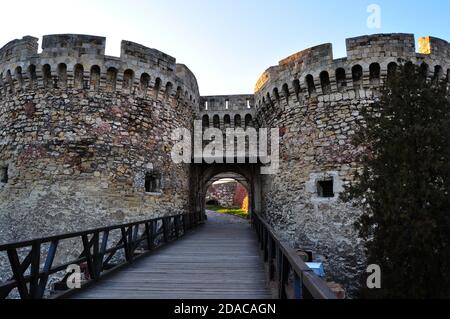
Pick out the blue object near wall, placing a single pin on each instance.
(317, 268)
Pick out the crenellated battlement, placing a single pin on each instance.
(370, 58)
(225, 111)
(78, 61)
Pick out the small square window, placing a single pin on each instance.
(152, 183)
(4, 175)
(325, 189)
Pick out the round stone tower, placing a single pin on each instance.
(85, 137)
(316, 101)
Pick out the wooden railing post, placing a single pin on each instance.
(185, 226)
(102, 252)
(47, 267)
(35, 267)
(165, 230)
(284, 277)
(298, 286)
(266, 245)
(149, 234)
(176, 225)
(18, 274)
(282, 259)
(126, 245)
(95, 256)
(270, 258)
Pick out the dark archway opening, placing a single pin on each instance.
(205, 175)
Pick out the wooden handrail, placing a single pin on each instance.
(282, 261)
(136, 239)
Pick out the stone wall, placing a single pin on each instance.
(316, 102)
(223, 193)
(229, 194)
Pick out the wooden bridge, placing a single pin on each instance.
(221, 259)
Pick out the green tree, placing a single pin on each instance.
(403, 187)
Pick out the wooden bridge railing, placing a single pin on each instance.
(135, 240)
(294, 279)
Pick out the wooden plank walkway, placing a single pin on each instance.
(219, 260)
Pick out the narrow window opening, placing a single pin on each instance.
(310, 84)
(296, 84)
(152, 183)
(95, 77)
(4, 175)
(325, 82)
(392, 69)
(78, 81)
(206, 105)
(216, 121)
(111, 78)
(374, 73)
(357, 74)
(423, 70)
(47, 74)
(285, 89)
(248, 104)
(325, 189)
(227, 120)
(205, 121)
(341, 79)
(128, 80)
(237, 121)
(248, 121)
(438, 73)
(227, 104)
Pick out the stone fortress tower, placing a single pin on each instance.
(85, 138)
(316, 101)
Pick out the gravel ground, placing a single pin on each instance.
(219, 218)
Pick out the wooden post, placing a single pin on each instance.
(270, 257)
(125, 244)
(47, 266)
(18, 274)
(298, 286)
(149, 234)
(35, 268)
(165, 230)
(284, 277)
(176, 225)
(103, 250)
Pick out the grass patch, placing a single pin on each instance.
(239, 212)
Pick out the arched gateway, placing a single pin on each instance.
(205, 174)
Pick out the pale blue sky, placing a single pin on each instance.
(226, 43)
